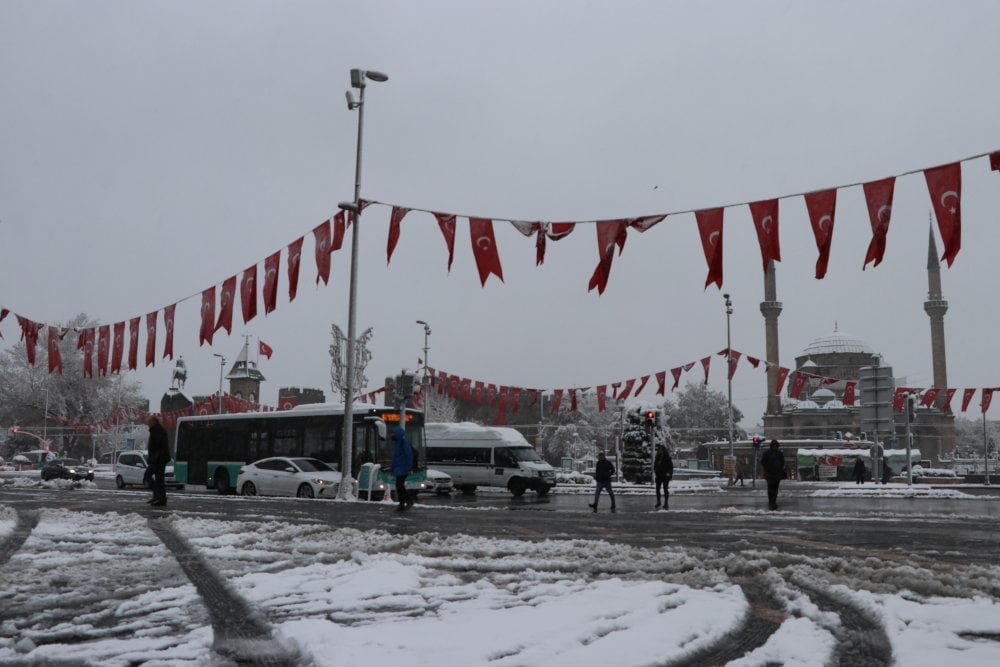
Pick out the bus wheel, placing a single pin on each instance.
(222, 482)
(305, 491)
(516, 487)
(119, 482)
(249, 489)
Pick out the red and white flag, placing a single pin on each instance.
(822, 207)
(287, 402)
(168, 325)
(705, 363)
(967, 395)
(103, 348)
(780, 379)
(264, 348)
(117, 347)
(151, 338)
(878, 195)
(227, 298)
(446, 222)
(339, 226)
(602, 396)
(642, 384)
(322, 234)
(945, 186)
(207, 316)
(798, 384)
(55, 359)
(609, 234)
(987, 397)
(395, 218)
(294, 260)
(484, 249)
(849, 393)
(272, 265)
(927, 400)
(133, 343)
(248, 293)
(710, 230)
(948, 395)
(556, 400)
(765, 220)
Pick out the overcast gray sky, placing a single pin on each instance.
(149, 150)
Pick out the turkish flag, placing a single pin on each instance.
(264, 348)
(765, 220)
(491, 394)
(477, 392)
(710, 230)
(322, 234)
(798, 384)
(602, 397)
(227, 297)
(3, 313)
(780, 380)
(609, 234)
(248, 293)
(822, 207)
(533, 397)
(537, 230)
(734, 358)
(967, 395)
(642, 384)
(133, 343)
(337, 242)
(849, 393)
(987, 397)
(897, 399)
(484, 249)
(645, 222)
(878, 194)
(294, 258)
(288, 402)
(87, 338)
(168, 325)
(948, 395)
(552, 231)
(927, 400)
(103, 347)
(994, 165)
(754, 361)
(501, 418)
(454, 386)
(515, 397)
(151, 338)
(55, 359)
(705, 364)
(446, 222)
(945, 186)
(676, 373)
(465, 392)
(396, 217)
(29, 333)
(627, 390)
(117, 347)
(556, 400)
(442, 381)
(271, 267)
(572, 400)
(614, 386)
(207, 316)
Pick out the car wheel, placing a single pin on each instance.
(469, 489)
(222, 482)
(249, 489)
(516, 487)
(305, 491)
(119, 482)
(90, 478)
(543, 490)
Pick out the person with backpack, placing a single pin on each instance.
(402, 464)
(602, 476)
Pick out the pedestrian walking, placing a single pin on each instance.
(602, 475)
(402, 463)
(157, 456)
(859, 470)
(738, 473)
(663, 472)
(772, 463)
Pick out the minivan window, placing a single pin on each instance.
(515, 454)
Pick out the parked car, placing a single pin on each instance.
(283, 476)
(438, 482)
(67, 469)
(130, 470)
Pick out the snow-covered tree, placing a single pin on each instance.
(700, 414)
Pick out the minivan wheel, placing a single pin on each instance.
(305, 491)
(119, 482)
(516, 487)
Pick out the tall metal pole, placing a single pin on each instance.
(426, 382)
(909, 460)
(222, 367)
(986, 451)
(45, 417)
(729, 380)
(358, 80)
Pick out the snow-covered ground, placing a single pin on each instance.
(102, 588)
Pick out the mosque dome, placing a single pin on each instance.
(837, 342)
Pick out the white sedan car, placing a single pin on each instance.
(282, 476)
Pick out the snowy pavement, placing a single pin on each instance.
(141, 587)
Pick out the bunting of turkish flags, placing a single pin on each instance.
(29, 333)
(967, 397)
(248, 293)
(987, 397)
(491, 394)
(927, 400)
(533, 396)
(529, 228)
(849, 393)
(798, 384)
(103, 346)
(322, 234)
(133, 343)
(705, 363)
(878, 195)
(446, 222)
(465, 391)
(948, 395)
(338, 232)
(272, 265)
(822, 207)
(710, 230)
(676, 372)
(944, 184)
(168, 325)
(627, 390)
(396, 217)
(151, 338)
(765, 221)
(780, 380)
(207, 316)
(484, 249)
(642, 384)
(227, 298)
(294, 259)
(55, 359)
(117, 347)
(609, 234)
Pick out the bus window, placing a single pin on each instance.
(285, 441)
(321, 441)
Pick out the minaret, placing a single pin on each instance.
(935, 306)
(770, 308)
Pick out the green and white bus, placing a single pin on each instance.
(211, 449)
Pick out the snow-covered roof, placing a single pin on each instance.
(468, 431)
(837, 342)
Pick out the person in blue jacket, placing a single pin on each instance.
(402, 463)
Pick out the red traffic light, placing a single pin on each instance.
(650, 414)
(13, 429)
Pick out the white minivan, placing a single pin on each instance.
(477, 455)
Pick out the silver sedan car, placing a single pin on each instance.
(288, 476)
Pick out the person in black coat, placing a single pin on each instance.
(859, 470)
(772, 464)
(603, 471)
(158, 455)
(663, 472)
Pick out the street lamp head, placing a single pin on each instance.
(376, 76)
(359, 77)
(351, 104)
(349, 206)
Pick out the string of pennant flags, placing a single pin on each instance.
(944, 185)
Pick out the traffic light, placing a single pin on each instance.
(13, 430)
(757, 442)
(650, 418)
(911, 407)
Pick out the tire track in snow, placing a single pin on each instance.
(26, 522)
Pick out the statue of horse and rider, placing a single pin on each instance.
(180, 374)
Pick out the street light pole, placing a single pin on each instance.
(222, 367)
(359, 78)
(986, 451)
(729, 367)
(426, 382)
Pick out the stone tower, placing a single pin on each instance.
(935, 306)
(770, 308)
(244, 378)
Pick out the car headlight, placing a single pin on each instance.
(321, 482)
